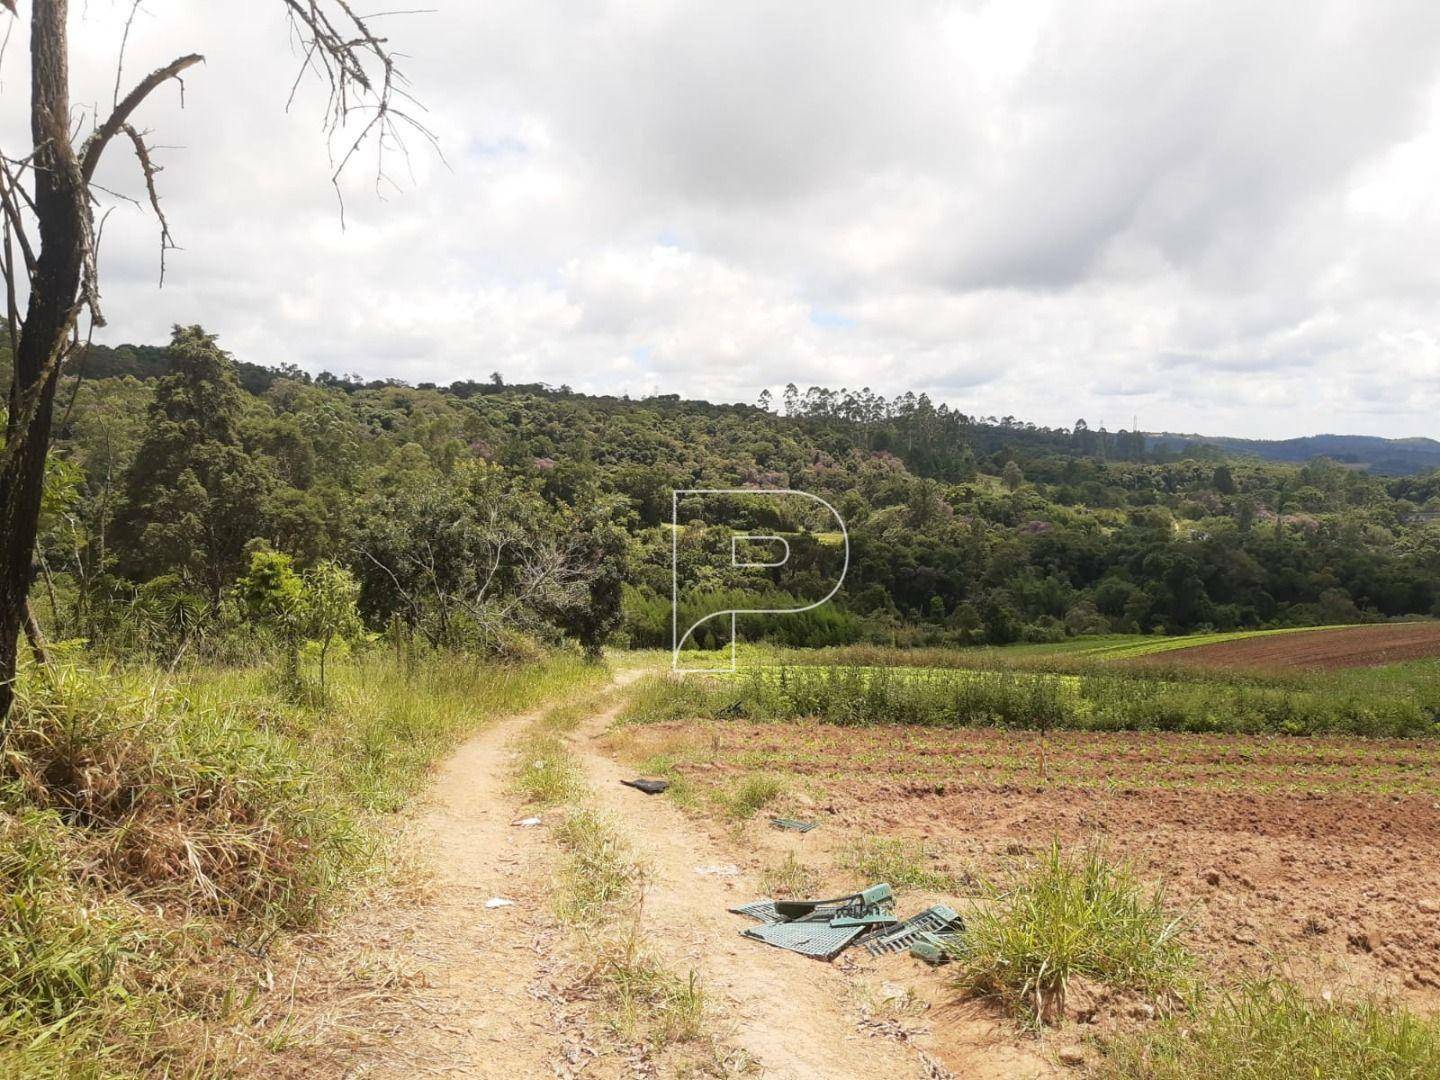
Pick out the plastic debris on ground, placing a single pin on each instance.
(719, 870)
(825, 928)
(792, 824)
(820, 928)
(935, 920)
(526, 822)
(933, 949)
(499, 902)
(649, 787)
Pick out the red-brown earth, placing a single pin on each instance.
(1344, 647)
(1319, 858)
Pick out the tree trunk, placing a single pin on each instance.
(36, 636)
(60, 213)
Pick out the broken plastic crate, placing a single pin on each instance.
(792, 824)
(938, 920)
(819, 928)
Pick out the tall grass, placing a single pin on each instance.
(1069, 916)
(1034, 700)
(385, 721)
(156, 836)
(1271, 1030)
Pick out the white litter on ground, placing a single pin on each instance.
(723, 870)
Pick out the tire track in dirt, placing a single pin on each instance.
(791, 1015)
(475, 1011)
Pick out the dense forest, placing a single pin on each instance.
(189, 490)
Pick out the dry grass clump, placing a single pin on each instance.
(197, 810)
(645, 1002)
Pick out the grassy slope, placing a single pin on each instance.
(154, 838)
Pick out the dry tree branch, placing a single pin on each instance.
(149, 168)
(95, 145)
(124, 41)
(363, 75)
(9, 188)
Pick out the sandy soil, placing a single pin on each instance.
(434, 983)
(796, 1017)
(1359, 646)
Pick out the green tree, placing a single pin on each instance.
(603, 554)
(273, 595)
(193, 497)
(331, 603)
(1012, 476)
(319, 605)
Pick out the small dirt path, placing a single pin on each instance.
(470, 1005)
(791, 1015)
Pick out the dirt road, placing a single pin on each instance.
(794, 1017)
(466, 989)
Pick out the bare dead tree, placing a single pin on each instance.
(48, 233)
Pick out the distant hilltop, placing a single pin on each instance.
(1399, 457)
(858, 411)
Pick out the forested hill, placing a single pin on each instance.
(1396, 457)
(175, 465)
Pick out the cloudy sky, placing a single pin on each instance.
(1218, 217)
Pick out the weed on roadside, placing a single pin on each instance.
(1271, 1030)
(790, 878)
(1068, 916)
(902, 863)
(753, 794)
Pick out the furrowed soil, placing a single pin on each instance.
(1312, 857)
(1327, 649)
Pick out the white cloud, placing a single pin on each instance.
(1215, 216)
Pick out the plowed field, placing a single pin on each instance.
(1312, 857)
(1344, 647)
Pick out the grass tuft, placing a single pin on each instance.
(1069, 916)
(600, 872)
(546, 773)
(753, 794)
(644, 1001)
(1270, 1030)
(902, 863)
(790, 878)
